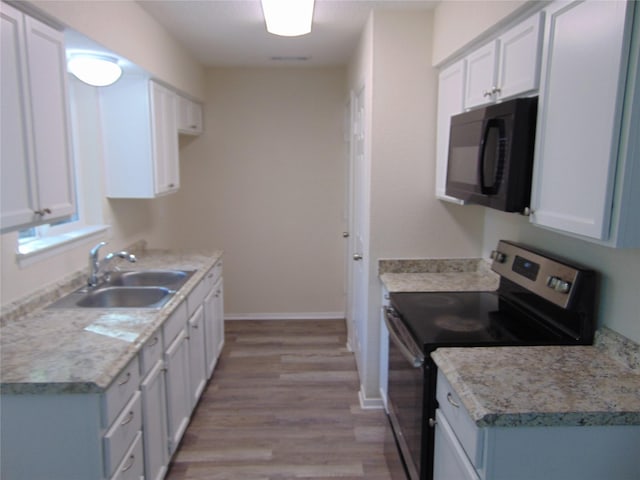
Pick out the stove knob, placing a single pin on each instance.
(498, 256)
(562, 286)
(558, 284)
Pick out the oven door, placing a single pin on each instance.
(405, 392)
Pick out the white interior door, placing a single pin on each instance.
(358, 245)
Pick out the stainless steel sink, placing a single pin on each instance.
(126, 297)
(172, 279)
(128, 289)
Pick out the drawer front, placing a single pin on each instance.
(465, 429)
(196, 297)
(121, 434)
(151, 352)
(120, 392)
(132, 465)
(174, 324)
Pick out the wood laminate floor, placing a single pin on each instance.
(283, 404)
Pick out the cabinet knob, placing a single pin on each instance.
(495, 90)
(43, 212)
(486, 93)
(357, 256)
(432, 422)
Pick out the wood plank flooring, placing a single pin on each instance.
(283, 404)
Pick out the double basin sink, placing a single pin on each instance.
(128, 289)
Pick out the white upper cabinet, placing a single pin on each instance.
(141, 138)
(189, 116)
(588, 121)
(37, 168)
(450, 102)
(507, 66)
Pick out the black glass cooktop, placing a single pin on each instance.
(438, 319)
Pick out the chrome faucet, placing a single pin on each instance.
(96, 265)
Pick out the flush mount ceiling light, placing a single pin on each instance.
(288, 18)
(96, 70)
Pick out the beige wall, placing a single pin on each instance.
(266, 184)
(126, 29)
(457, 23)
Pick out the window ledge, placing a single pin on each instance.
(38, 250)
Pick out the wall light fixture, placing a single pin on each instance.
(96, 70)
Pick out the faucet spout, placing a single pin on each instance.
(96, 266)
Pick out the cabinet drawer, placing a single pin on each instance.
(467, 432)
(151, 352)
(122, 433)
(120, 391)
(132, 465)
(174, 324)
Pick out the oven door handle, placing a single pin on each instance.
(413, 355)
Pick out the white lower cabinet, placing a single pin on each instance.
(178, 389)
(464, 451)
(154, 411)
(214, 325)
(198, 376)
(131, 430)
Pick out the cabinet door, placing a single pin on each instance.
(196, 355)
(154, 424)
(176, 360)
(450, 460)
(49, 107)
(450, 102)
(19, 198)
(165, 139)
(579, 117)
(37, 171)
(189, 117)
(481, 75)
(520, 52)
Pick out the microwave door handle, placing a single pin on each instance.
(493, 188)
(415, 358)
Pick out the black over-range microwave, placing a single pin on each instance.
(491, 155)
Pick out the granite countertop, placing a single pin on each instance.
(549, 385)
(83, 350)
(437, 275)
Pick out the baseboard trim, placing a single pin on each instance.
(286, 316)
(370, 403)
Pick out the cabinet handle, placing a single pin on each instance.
(486, 93)
(154, 343)
(129, 419)
(171, 185)
(193, 127)
(432, 422)
(132, 460)
(195, 325)
(495, 90)
(452, 401)
(43, 212)
(126, 380)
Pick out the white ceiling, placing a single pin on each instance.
(232, 32)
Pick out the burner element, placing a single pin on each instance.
(434, 300)
(456, 323)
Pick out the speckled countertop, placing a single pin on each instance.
(83, 350)
(550, 386)
(437, 275)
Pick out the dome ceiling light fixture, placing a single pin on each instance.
(95, 70)
(288, 18)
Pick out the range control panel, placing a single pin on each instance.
(550, 278)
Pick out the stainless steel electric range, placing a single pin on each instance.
(540, 300)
